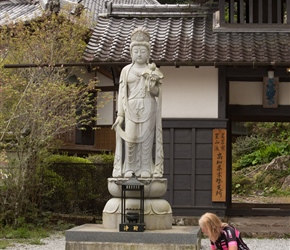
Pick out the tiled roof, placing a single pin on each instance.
(13, 12)
(186, 41)
(96, 7)
(4, 2)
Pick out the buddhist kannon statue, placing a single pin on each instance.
(139, 110)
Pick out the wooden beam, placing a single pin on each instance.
(255, 74)
(116, 71)
(288, 11)
(241, 12)
(105, 72)
(256, 113)
(250, 7)
(260, 11)
(222, 11)
(232, 11)
(270, 17)
(107, 88)
(222, 92)
(193, 169)
(279, 12)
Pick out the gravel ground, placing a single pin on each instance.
(54, 242)
(57, 242)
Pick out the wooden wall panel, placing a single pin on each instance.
(202, 136)
(166, 150)
(166, 169)
(105, 139)
(182, 136)
(203, 182)
(182, 182)
(203, 166)
(203, 151)
(204, 199)
(188, 165)
(179, 198)
(182, 166)
(169, 182)
(166, 136)
(182, 151)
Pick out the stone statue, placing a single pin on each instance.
(139, 105)
(138, 130)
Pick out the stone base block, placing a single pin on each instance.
(126, 246)
(96, 237)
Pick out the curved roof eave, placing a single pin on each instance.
(187, 40)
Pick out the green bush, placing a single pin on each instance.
(75, 185)
(261, 156)
(101, 158)
(241, 184)
(57, 158)
(245, 145)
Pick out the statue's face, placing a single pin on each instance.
(140, 54)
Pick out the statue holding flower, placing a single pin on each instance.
(139, 110)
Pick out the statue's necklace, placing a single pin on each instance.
(136, 73)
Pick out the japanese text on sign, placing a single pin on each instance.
(219, 146)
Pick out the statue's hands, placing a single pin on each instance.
(118, 122)
(153, 85)
(153, 78)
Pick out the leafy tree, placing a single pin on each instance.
(39, 104)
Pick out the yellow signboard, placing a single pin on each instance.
(219, 154)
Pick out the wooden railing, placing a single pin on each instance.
(254, 11)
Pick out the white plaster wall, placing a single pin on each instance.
(251, 93)
(190, 92)
(187, 92)
(242, 93)
(284, 93)
(106, 114)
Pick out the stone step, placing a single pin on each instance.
(262, 226)
(252, 226)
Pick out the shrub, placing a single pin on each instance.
(241, 184)
(261, 156)
(245, 145)
(101, 158)
(57, 158)
(75, 185)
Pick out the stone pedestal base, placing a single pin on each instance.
(157, 213)
(96, 237)
(155, 188)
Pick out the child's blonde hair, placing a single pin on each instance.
(212, 224)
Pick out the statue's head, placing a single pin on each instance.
(140, 37)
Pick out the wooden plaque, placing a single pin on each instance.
(219, 156)
(270, 92)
